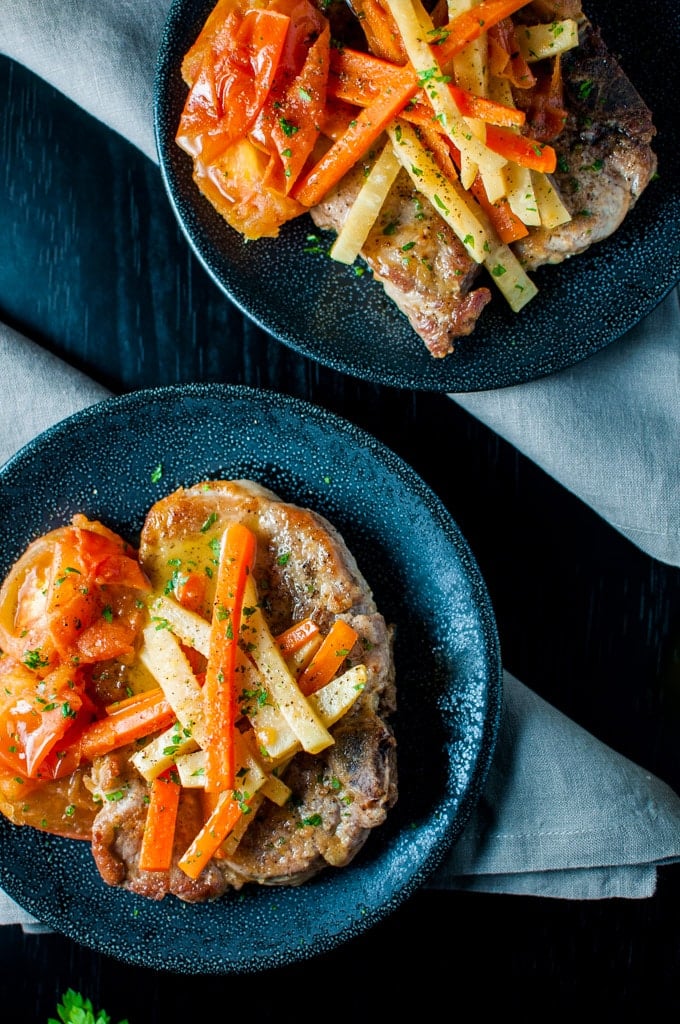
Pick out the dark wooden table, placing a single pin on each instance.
(93, 267)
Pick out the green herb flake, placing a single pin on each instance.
(210, 521)
(287, 128)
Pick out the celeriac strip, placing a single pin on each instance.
(366, 207)
(536, 42)
(446, 195)
(276, 739)
(279, 681)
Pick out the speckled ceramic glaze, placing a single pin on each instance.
(425, 580)
(321, 309)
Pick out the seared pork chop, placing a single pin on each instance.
(417, 258)
(604, 155)
(303, 568)
(605, 162)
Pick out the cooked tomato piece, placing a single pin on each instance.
(35, 714)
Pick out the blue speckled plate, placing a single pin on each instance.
(322, 310)
(425, 580)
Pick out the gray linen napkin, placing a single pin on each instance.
(533, 832)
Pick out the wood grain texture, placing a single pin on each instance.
(94, 267)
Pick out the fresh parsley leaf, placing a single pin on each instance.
(76, 1009)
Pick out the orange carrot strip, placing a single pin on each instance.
(454, 37)
(359, 78)
(527, 152)
(293, 639)
(145, 698)
(505, 221)
(132, 720)
(380, 30)
(350, 147)
(226, 813)
(159, 829)
(237, 557)
(190, 591)
(335, 647)
(486, 110)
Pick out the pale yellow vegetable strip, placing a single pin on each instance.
(191, 768)
(299, 660)
(366, 207)
(414, 26)
(278, 680)
(331, 702)
(160, 753)
(273, 787)
(537, 42)
(456, 7)
(520, 194)
(446, 195)
(276, 790)
(194, 631)
(191, 628)
(494, 184)
(551, 209)
(236, 835)
(163, 657)
(509, 276)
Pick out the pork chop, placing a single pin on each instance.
(605, 162)
(303, 569)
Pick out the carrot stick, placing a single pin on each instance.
(350, 147)
(237, 557)
(359, 78)
(226, 813)
(293, 639)
(485, 109)
(159, 830)
(505, 221)
(380, 30)
(336, 645)
(135, 718)
(454, 37)
(528, 152)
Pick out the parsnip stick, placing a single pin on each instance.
(547, 40)
(191, 629)
(278, 680)
(446, 195)
(161, 752)
(330, 703)
(163, 657)
(366, 207)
